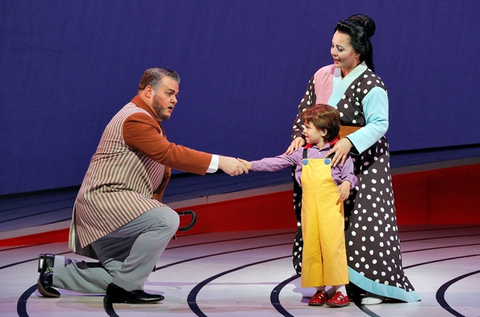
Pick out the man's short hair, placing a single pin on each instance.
(153, 77)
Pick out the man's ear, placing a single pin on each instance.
(148, 91)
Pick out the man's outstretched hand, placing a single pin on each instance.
(231, 166)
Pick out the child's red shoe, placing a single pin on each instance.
(338, 300)
(318, 299)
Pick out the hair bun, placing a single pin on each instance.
(364, 21)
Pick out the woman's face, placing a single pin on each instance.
(344, 55)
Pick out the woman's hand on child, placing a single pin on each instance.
(296, 143)
(341, 149)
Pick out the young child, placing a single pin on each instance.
(324, 190)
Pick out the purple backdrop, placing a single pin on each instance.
(66, 69)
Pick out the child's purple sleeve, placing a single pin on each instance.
(273, 164)
(347, 172)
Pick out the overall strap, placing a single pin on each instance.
(305, 150)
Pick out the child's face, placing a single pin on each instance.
(312, 134)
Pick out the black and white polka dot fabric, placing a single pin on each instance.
(371, 234)
(298, 241)
(307, 101)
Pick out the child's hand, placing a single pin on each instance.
(344, 189)
(246, 163)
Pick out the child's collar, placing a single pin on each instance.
(332, 143)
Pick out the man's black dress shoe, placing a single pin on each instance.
(116, 294)
(45, 280)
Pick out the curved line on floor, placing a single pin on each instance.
(440, 296)
(217, 254)
(363, 308)
(229, 240)
(22, 301)
(275, 299)
(21, 304)
(108, 306)
(192, 296)
(441, 260)
(275, 296)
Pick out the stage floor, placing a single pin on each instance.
(250, 273)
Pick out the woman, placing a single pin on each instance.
(371, 235)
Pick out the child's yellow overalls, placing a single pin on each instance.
(324, 255)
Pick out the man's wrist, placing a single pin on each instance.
(213, 167)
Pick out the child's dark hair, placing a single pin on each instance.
(323, 117)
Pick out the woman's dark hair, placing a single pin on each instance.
(360, 28)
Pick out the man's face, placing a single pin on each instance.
(165, 98)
